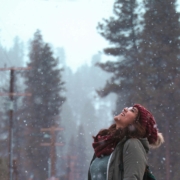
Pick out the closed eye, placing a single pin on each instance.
(131, 109)
(135, 110)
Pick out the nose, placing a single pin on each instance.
(125, 109)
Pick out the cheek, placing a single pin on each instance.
(130, 118)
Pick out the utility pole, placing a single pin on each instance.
(72, 174)
(11, 95)
(11, 90)
(52, 145)
(15, 171)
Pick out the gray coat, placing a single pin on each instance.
(134, 160)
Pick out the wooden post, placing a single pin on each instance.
(71, 172)
(52, 145)
(11, 95)
(15, 171)
(11, 89)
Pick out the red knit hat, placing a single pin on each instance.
(147, 120)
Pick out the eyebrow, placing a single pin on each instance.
(135, 109)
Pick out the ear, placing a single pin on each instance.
(160, 140)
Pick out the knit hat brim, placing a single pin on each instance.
(147, 121)
(160, 140)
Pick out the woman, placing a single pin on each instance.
(134, 131)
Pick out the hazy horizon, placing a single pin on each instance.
(70, 25)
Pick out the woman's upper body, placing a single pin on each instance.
(135, 129)
(134, 160)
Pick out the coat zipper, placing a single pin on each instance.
(108, 165)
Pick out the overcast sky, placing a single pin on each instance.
(64, 23)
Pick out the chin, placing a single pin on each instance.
(116, 118)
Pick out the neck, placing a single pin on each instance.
(118, 126)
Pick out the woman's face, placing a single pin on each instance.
(126, 117)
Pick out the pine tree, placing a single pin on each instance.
(40, 110)
(4, 57)
(123, 32)
(151, 77)
(16, 53)
(3, 168)
(71, 160)
(4, 157)
(76, 159)
(81, 165)
(4, 118)
(159, 79)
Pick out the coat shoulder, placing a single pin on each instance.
(132, 141)
(134, 159)
(134, 144)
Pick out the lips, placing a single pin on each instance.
(122, 114)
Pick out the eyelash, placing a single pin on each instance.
(132, 110)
